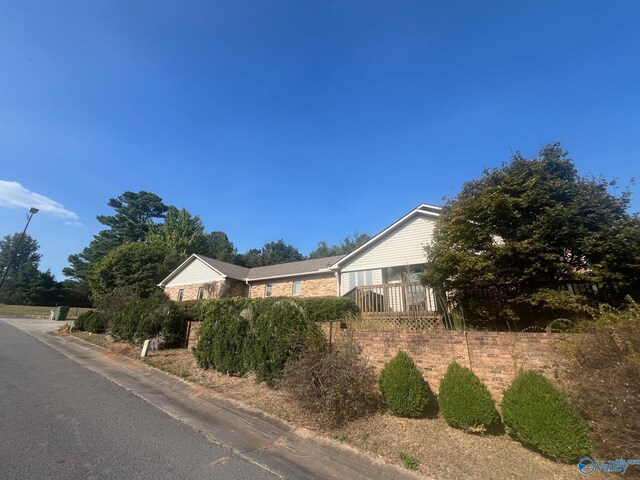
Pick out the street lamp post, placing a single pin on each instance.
(32, 211)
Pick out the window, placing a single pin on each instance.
(358, 279)
(268, 288)
(365, 277)
(180, 293)
(200, 293)
(297, 288)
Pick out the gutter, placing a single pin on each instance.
(290, 275)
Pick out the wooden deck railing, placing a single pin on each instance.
(394, 298)
(406, 305)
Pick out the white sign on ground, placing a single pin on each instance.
(145, 348)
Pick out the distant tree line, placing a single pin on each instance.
(26, 284)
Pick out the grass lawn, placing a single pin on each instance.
(39, 312)
(435, 449)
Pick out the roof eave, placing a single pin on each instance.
(175, 271)
(423, 209)
(290, 275)
(179, 268)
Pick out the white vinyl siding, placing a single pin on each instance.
(403, 246)
(197, 272)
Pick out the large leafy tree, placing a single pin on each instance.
(138, 267)
(346, 246)
(271, 253)
(27, 253)
(506, 247)
(220, 247)
(25, 283)
(135, 215)
(181, 233)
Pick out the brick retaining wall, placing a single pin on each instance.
(494, 356)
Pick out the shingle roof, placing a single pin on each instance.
(228, 269)
(293, 268)
(272, 271)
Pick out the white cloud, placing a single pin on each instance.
(14, 195)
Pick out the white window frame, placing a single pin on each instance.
(360, 278)
(200, 293)
(180, 295)
(268, 290)
(293, 288)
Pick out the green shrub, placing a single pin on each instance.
(223, 340)
(239, 335)
(112, 304)
(538, 415)
(173, 330)
(195, 310)
(93, 322)
(90, 321)
(79, 322)
(335, 384)
(328, 309)
(465, 402)
(316, 309)
(280, 330)
(143, 318)
(403, 388)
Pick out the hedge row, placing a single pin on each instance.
(316, 309)
(239, 335)
(536, 412)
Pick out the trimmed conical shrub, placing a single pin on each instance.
(404, 390)
(539, 415)
(465, 402)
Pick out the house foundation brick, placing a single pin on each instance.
(312, 286)
(228, 288)
(190, 292)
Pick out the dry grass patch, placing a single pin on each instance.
(444, 452)
(38, 312)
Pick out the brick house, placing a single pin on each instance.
(382, 275)
(202, 277)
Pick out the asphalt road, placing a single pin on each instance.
(61, 420)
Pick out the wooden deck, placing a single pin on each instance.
(409, 305)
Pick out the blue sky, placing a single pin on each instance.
(295, 119)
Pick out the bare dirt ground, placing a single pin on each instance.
(441, 451)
